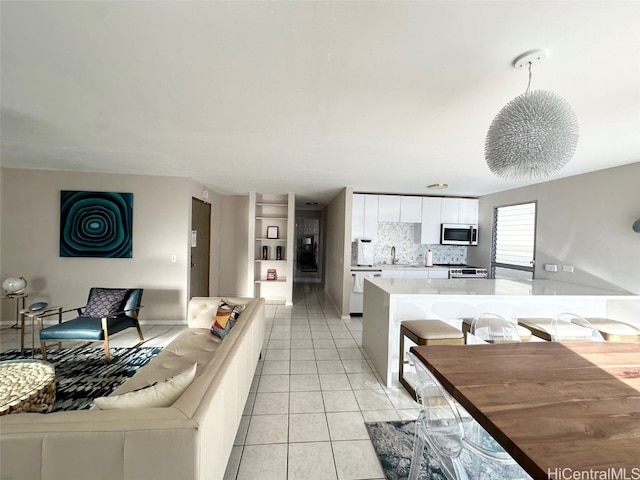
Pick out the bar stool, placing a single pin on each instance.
(426, 332)
(525, 333)
(611, 330)
(615, 330)
(540, 327)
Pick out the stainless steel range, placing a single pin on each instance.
(468, 271)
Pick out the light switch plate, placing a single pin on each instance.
(551, 267)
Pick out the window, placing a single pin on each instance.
(514, 242)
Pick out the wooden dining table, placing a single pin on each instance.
(561, 410)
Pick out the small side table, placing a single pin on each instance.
(34, 315)
(20, 299)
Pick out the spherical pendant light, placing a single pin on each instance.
(534, 135)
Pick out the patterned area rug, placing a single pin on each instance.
(82, 374)
(393, 442)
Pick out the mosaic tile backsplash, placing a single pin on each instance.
(401, 236)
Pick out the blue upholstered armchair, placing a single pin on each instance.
(108, 311)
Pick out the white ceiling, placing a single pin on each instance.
(308, 97)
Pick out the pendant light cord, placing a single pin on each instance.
(529, 84)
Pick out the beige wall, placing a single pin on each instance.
(233, 247)
(161, 225)
(584, 221)
(338, 250)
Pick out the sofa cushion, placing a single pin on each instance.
(226, 317)
(162, 394)
(103, 302)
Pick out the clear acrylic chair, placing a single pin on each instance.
(463, 449)
(573, 328)
(493, 328)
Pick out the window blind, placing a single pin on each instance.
(515, 235)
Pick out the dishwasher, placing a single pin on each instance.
(357, 296)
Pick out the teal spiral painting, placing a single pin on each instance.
(96, 224)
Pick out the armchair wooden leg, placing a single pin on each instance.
(105, 332)
(107, 355)
(139, 331)
(43, 347)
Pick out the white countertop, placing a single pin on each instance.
(476, 286)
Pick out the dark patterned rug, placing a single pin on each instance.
(82, 374)
(393, 442)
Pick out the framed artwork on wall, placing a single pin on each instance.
(96, 224)
(272, 232)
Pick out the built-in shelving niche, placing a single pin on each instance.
(272, 227)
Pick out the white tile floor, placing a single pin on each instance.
(313, 391)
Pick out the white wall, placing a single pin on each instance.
(584, 221)
(338, 250)
(161, 225)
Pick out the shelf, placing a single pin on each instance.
(271, 213)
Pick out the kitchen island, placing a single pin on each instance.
(389, 301)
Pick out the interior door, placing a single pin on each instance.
(200, 248)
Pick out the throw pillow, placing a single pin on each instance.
(105, 301)
(204, 316)
(226, 317)
(162, 394)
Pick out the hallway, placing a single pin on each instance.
(312, 394)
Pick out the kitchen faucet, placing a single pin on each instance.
(394, 260)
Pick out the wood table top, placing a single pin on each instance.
(552, 406)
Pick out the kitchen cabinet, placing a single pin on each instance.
(459, 210)
(364, 222)
(449, 210)
(392, 273)
(414, 272)
(417, 273)
(468, 211)
(357, 217)
(439, 273)
(429, 231)
(411, 209)
(388, 208)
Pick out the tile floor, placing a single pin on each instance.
(313, 391)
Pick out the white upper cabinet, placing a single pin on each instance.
(449, 210)
(411, 209)
(370, 217)
(364, 222)
(357, 217)
(459, 210)
(388, 208)
(468, 211)
(429, 232)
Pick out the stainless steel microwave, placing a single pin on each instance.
(458, 234)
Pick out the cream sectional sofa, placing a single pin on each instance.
(191, 439)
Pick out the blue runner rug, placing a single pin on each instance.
(82, 374)
(393, 443)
